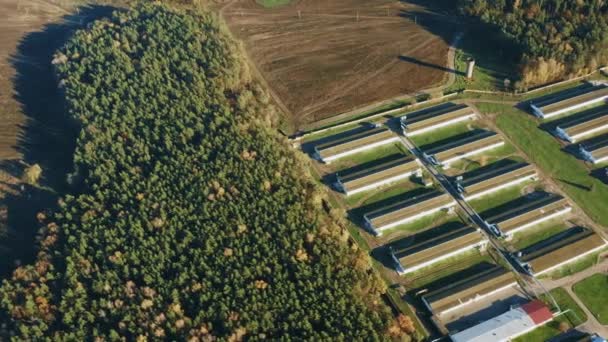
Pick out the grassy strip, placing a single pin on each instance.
(537, 233)
(577, 266)
(365, 157)
(593, 292)
(273, 3)
(377, 195)
(498, 198)
(419, 225)
(442, 133)
(565, 321)
(542, 149)
(445, 268)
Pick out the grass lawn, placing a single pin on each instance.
(542, 149)
(446, 267)
(486, 158)
(537, 233)
(272, 3)
(499, 198)
(368, 156)
(419, 225)
(443, 133)
(378, 195)
(571, 319)
(575, 267)
(593, 291)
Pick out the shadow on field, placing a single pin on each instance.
(47, 138)
(492, 50)
(429, 65)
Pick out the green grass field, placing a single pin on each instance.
(544, 150)
(273, 3)
(382, 194)
(537, 233)
(498, 198)
(365, 157)
(593, 292)
(420, 224)
(575, 267)
(570, 319)
(446, 267)
(443, 133)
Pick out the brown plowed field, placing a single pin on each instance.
(327, 62)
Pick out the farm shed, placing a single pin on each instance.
(561, 249)
(430, 119)
(426, 248)
(507, 326)
(468, 289)
(462, 148)
(408, 210)
(582, 125)
(354, 142)
(479, 184)
(530, 214)
(595, 151)
(378, 175)
(576, 99)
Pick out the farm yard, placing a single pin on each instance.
(322, 58)
(422, 241)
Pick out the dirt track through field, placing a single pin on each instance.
(322, 58)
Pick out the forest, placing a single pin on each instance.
(191, 218)
(558, 38)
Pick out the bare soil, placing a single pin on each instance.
(321, 58)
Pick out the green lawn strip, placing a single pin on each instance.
(577, 266)
(571, 319)
(537, 233)
(419, 225)
(543, 150)
(593, 292)
(499, 198)
(444, 268)
(368, 156)
(383, 193)
(442, 133)
(273, 3)
(475, 162)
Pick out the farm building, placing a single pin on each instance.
(404, 211)
(430, 119)
(595, 151)
(576, 99)
(378, 175)
(479, 184)
(530, 214)
(354, 142)
(426, 248)
(462, 148)
(511, 324)
(561, 249)
(468, 289)
(583, 125)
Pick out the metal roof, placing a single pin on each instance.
(507, 326)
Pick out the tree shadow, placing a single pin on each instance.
(47, 138)
(429, 65)
(492, 50)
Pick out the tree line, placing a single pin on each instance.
(193, 219)
(558, 38)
